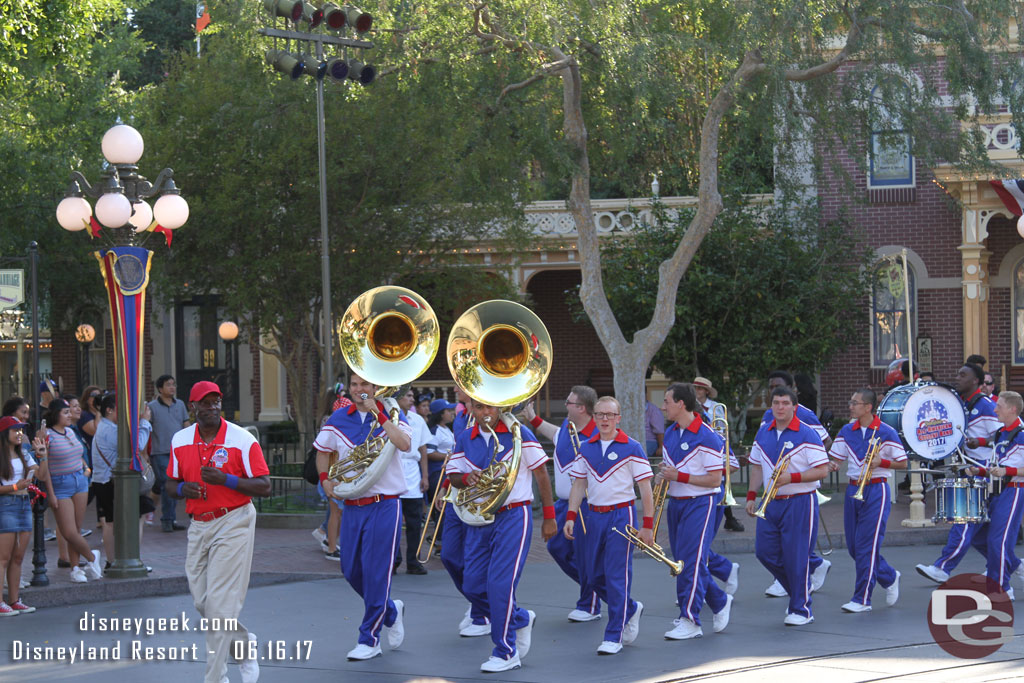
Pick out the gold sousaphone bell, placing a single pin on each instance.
(499, 353)
(389, 336)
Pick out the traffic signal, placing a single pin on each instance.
(289, 9)
(357, 19)
(313, 67)
(285, 62)
(337, 68)
(364, 73)
(311, 15)
(333, 15)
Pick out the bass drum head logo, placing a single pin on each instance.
(970, 616)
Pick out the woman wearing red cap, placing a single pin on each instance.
(16, 472)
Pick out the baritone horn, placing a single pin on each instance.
(389, 336)
(721, 426)
(499, 354)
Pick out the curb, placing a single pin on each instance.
(936, 535)
(128, 589)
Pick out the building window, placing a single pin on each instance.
(1018, 313)
(889, 313)
(890, 162)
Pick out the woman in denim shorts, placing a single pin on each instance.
(70, 486)
(16, 472)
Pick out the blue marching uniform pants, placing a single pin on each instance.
(495, 555)
(453, 541)
(691, 530)
(783, 543)
(609, 558)
(997, 537)
(566, 554)
(369, 536)
(720, 566)
(864, 524)
(959, 541)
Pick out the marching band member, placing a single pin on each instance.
(720, 567)
(786, 534)
(981, 423)
(495, 553)
(692, 463)
(606, 468)
(819, 565)
(997, 537)
(371, 524)
(864, 520)
(568, 554)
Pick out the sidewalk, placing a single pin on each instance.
(287, 555)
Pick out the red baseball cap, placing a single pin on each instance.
(10, 423)
(201, 390)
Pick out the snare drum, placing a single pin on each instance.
(929, 417)
(962, 500)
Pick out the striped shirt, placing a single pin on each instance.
(65, 451)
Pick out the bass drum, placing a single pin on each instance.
(929, 417)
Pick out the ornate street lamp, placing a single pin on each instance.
(84, 333)
(122, 214)
(228, 331)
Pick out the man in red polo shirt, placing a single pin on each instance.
(217, 466)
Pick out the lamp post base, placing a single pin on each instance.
(130, 568)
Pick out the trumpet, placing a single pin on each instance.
(869, 459)
(773, 484)
(675, 567)
(430, 512)
(721, 426)
(660, 496)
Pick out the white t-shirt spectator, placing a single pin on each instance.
(421, 436)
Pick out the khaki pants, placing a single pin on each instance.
(218, 565)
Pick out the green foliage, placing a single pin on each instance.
(767, 289)
(168, 26)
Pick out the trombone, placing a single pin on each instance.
(721, 426)
(430, 511)
(675, 567)
(574, 439)
(822, 499)
(660, 496)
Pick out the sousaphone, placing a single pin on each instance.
(499, 353)
(389, 336)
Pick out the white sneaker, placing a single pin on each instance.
(776, 590)
(932, 572)
(496, 664)
(579, 616)
(733, 582)
(607, 647)
(892, 593)
(632, 628)
(818, 577)
(1009, 593)
(85, 532)
(78, 576)
(467, 619)
(93, 567)
(525, 635)
(320, 535)
(684, 630)
(1019, 572)
(361, 652)
(797, 620)
(856, 607)
(250, 668)
(24, 584)
(474, 630)
(149, 519)
(721, 619)
(396, 632)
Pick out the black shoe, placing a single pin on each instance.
(178, 527)
(167, 527)
(63, 564)
(733, 524)
(418, 569)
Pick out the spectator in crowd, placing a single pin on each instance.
(329, 530)
(47, 392)
(17, 469)
(414, 467)
(169, 416)
(706, 395)
(977, 359)
(17, 407)
(654, 426)
(442, 442)
(806, 392)
(90, 418)
(68, 487)
(76, 414)
(423, 400)
(104, 455)
(927, 376)
(988, 387)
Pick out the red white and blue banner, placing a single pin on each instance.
(126, 275)
(1012, 194)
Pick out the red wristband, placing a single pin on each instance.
(536, 421)
(323, 477)
(682, 477)
(1011, 471)
(446, 483)
(648, 522)
(795, 478)
(382, 414)
(982, 471)
(885, 463)
(751, 495)
(570, 516)
(549, 512)
(982, 441)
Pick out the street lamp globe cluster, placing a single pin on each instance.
(121, 196)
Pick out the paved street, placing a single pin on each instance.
(888, 643)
